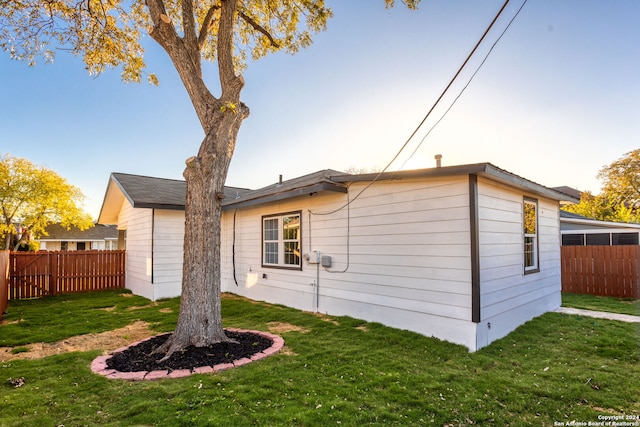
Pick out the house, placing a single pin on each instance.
(463, 253)
(578, 230)
(98, 237)
(149, 214)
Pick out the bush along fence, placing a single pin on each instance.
(38, 274)
(612, 271)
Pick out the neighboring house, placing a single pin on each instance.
(463, 253)
(98, 237)
(578, 230)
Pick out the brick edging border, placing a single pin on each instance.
(99, 364)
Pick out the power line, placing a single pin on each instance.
(467, 85)
(435, 104)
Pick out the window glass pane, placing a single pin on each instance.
(291, 227)
(529, 218)
(291, 237)
(281, 240)
(529, 252)
(624, 239)
(271, 229)
(271, 252)
(530, 228)
(291, 253)
(573, 240)
(598, 239)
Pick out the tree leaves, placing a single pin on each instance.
(32, 197)
(619, 200)
(621, 180)
(107, 33)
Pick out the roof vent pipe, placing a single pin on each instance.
(280, 180)
(438, 158)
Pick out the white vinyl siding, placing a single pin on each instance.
(400, 256)
(138, 223)
(508, 296)
(154, 262)
(168, 243)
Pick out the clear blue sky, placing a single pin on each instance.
(557, 99)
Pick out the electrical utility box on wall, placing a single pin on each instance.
(326, 261)
(312, 257)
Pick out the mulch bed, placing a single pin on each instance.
(142, 356)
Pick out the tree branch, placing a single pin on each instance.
(231, 84)
(185, 58)
(189, 25)
(157, 11)
(259, 28)
(204, 31)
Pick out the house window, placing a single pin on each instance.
(624, 239)
(598, 239)
(530, 222)
(281, 240)
(64, 246)
(573, 240)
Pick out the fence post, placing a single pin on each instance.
(122, 267)
(53, 272)
(4, 281)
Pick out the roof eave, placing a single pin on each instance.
(482, 169)
(415, 173)
(109, 211)
(589, 221)
(171, 207)
(515, 180)
(296, 192)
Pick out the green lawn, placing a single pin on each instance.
(611, 304)
(333, 371)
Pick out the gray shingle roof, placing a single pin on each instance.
(159, 193)
(149, 192)
(303, 185)
(97, 232)
(565, 214)
(570, 191)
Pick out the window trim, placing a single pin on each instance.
(280, 241)
(536, 244)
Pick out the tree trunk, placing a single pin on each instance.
(200, 318)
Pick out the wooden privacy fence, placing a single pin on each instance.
(612, 271)
(37, 274)
(4, 281)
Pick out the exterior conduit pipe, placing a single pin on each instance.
(318, 287)
(316, 283)
(233, 248)
(153, 245)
